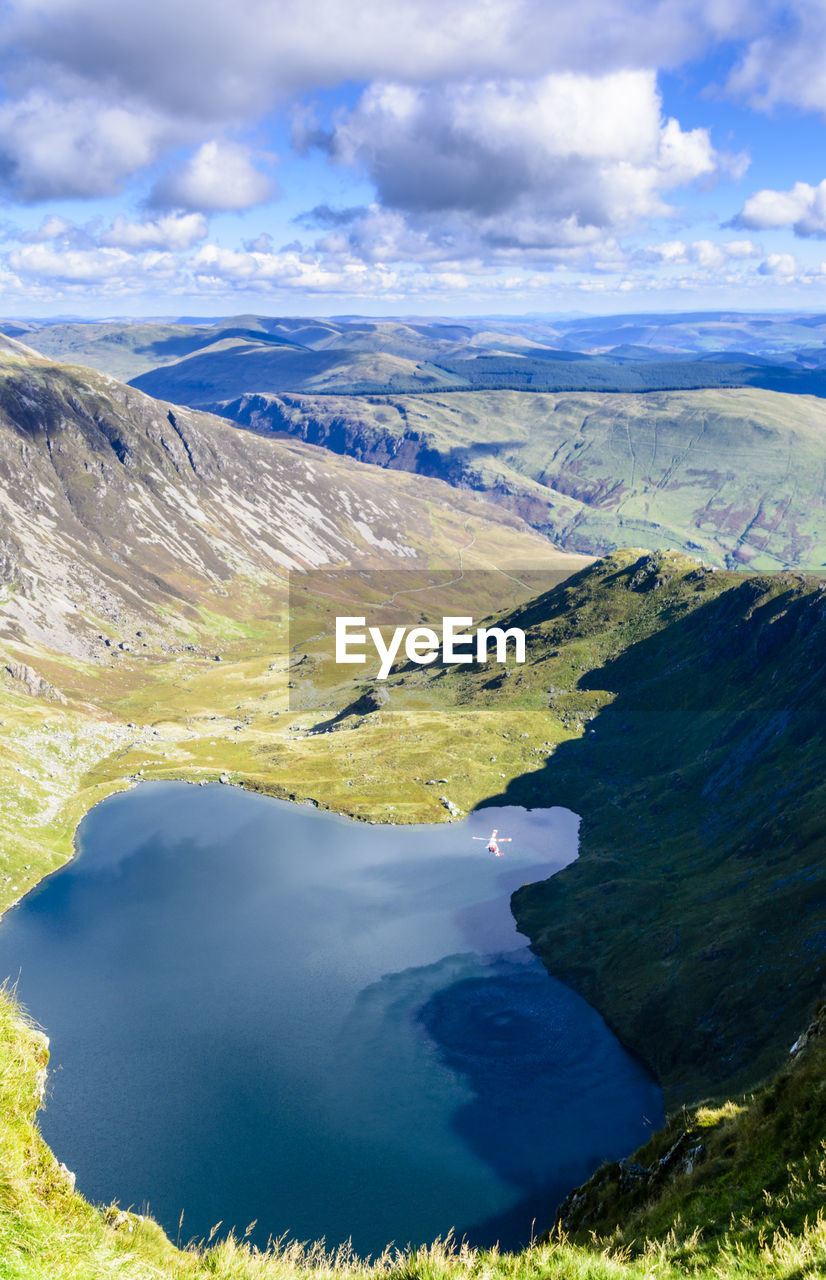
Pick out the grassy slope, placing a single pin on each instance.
(732, 475)
(173, 712)
(678, 710)
(720, 1181)
(695, 753)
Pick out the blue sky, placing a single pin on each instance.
(169, 157)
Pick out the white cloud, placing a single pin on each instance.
(217, 61)
(89, 266)
(668, 251)
(742, 249)
(213, 265)
(803, 208)
(82, 147)
(50, 228)
(130, 82)
(171, 231)
(708, 255)
(220, 175)
(40, 271)
(782, 265)
(783, 62)
(547, 163)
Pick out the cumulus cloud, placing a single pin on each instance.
(781, 265)
(216, 61)
(83, 147)
(708, 255)
(803, 208)
(589, 145)
(220, 175)
(509, 167)
(50, 229)
(783, 62)
(213, 265)
(495, 133)
(558, 161)
(172, 231)
(62, 269)
(131, 82)
(263, 243)
(87, 266)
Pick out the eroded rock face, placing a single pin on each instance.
(634, 1182)
(32, 683)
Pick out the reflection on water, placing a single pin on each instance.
(263, 1011)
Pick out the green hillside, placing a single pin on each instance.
(722, 1180)
(682, 709)
(734, 476)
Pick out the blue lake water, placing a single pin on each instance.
(263, 1011)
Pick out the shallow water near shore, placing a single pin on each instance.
(263, 1011)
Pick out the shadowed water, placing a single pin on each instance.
(263, 1011)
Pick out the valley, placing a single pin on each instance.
(733, 476)
(146, 559)
(700, 433)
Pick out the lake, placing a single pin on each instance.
(260, 1011)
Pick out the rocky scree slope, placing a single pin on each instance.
(114, 506)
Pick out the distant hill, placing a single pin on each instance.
(699, 431)
(735, 475)
(199, 363)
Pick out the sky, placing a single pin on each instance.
(419, 157)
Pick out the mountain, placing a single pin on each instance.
(682, 710)
(199, 364)
(735, 476)
(650, 435)
(117, 508)
(145, 561)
